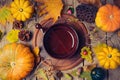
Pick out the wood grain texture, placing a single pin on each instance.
(113, 39)
(65, 64)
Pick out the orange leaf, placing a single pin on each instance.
(50, 9)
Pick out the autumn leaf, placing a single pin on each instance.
(87, 72)
(1, 34)
(41, 75)
(36, 51)
(68, 76)
(86, 75)
(5, 15)
(50, 9)
(12, 36)
(0, 51)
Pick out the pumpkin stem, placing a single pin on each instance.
(13, 64)
(21, 10)
(109, 55)
(93, 72)
(111, 16)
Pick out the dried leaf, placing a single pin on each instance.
(36, 51)
(1, 34)
(52, 78)
(68, 76)
(51, 9)
(87, 72)
(41, 75)
(12, 36)
(89, 67)
(86, 75)
(74, 73)
(0, 50)
(5, 15)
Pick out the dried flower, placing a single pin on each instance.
(86, 54)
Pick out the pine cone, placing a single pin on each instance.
(18, 24)
(25, 35)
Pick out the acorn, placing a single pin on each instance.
(38, 26)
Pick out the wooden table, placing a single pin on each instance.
(112, 39)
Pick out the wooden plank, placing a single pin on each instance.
(114, 74)
(113, 39)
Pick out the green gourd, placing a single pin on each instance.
(98, 74)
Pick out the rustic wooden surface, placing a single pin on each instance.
(112, 39)
(81, 31)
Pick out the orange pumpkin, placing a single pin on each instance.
(107, 18)
(16, 62)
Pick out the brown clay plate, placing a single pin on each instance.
(70, 62)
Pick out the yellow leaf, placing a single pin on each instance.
(52, 7)
(5, 15)
(0, 51)
(36, 51)
(12, 36)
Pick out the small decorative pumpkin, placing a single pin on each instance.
(16, 62)
(108, 57)
(98, 74)
(107, 18)
(21, 9)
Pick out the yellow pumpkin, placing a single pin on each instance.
(108, 57)
(107, 18)
(16, 62)
(21, 9)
